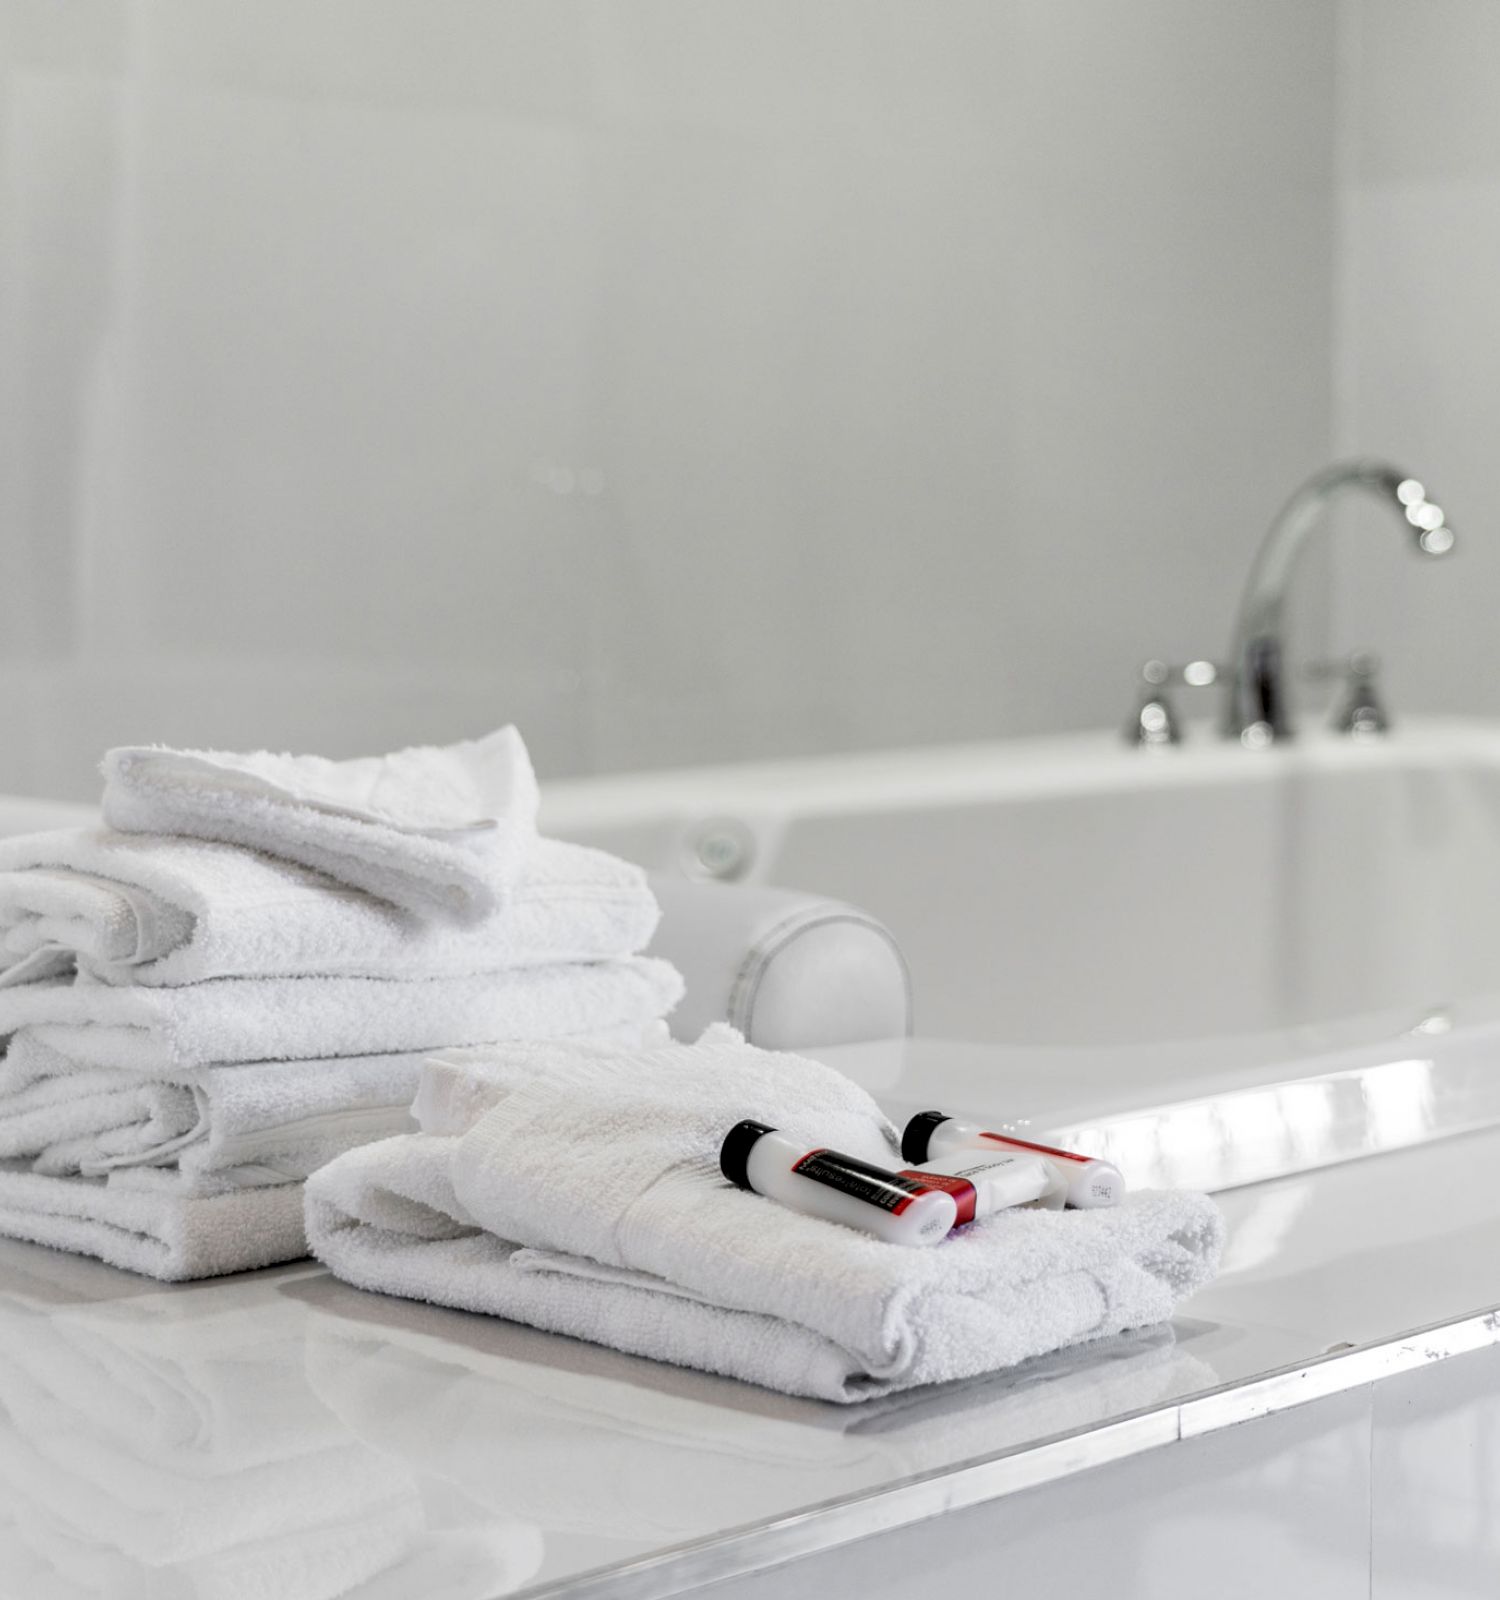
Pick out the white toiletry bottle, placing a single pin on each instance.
(899, 1208)
(1087, 1183)
(987, 1182)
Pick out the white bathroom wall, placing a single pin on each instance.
(685, 381)
(1418, 350)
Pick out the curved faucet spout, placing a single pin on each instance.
(1256, 712)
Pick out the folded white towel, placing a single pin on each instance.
(55, 1119)
(586, 1199)
(163, 1234)
(262, 1121)
(438, 831)
(138, 908)
(228, 1202)
(232, 1126)
(171, 1033)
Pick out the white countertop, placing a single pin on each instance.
(284, 1416)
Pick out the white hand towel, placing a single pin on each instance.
(138, 908)
(162, 1234)
(586, 1199)
(263, 1121)
(170, 1033)
(66, 1121)
(439, 831)
(233, 1126)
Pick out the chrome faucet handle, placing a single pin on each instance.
(1360, 711)
(1155, 722)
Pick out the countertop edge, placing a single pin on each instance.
(742, 1552)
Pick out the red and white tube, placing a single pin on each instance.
(899, 1207)
(1087, 1183)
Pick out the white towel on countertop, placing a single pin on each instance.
(137, 908)
(440, 831)
(228, 1127)
(110, 1114)
(586, 1199)
(263, 1121)
(170, 1033)
(457, 1086)
(167, 1235)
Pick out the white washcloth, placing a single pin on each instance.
(138, 908)
(586, 1199)
(170, 1033)
(439, 831)
(162, 1234)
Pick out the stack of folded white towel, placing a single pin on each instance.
(578, 1189)
(238, 976)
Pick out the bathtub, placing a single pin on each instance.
(1120, 942)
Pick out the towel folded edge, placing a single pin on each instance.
(168, 1237)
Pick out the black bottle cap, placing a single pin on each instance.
(734, 1153)
(918, 1135)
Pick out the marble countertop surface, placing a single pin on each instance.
(283, 1421)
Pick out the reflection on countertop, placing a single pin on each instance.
(167, 1442)
(281, 1432)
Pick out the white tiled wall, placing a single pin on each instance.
(1418, 349)
(683, 380)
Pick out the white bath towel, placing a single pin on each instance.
(137, 908)
(442, 832)
(586, 1199)
(171, 1033)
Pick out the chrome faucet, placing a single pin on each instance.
(1256, 708)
